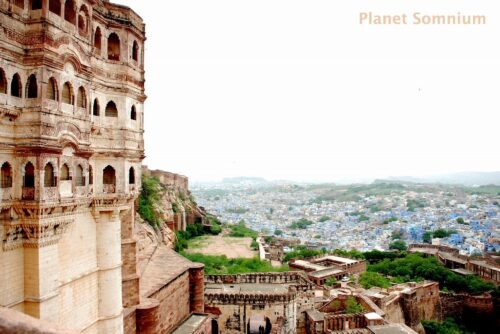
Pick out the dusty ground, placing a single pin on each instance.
(221, 245)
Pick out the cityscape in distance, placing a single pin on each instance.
(365, 216)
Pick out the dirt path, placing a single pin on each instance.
(221, 245)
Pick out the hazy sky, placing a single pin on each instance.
(300, 90)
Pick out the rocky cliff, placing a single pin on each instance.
(172, 209)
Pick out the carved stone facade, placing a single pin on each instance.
(71, 147)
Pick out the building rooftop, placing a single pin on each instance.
(308, 265)
(326, 272)
(191, 324)
(164, 266)
(338, 259)
(315, 315)
(462, 271)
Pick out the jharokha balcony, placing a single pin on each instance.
(29, 193)
(109, 188)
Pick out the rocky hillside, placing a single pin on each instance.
(165, 207)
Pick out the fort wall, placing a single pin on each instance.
(71, 146)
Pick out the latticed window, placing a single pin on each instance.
(65, 173)
(113, 47)
(111, 110)
(67, 93)
(49, 177)
(52, 89)
(80, 179)
(81, 100)
(6, 175)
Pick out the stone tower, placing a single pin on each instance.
(71, 146)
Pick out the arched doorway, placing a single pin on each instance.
(215, 326)
(259, 324)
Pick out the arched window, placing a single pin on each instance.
(97, 40)
(6, 176)
(96, 108)
(111, 110)
(81, 100)
(113, 47)
(16, 87)
(80, 179)
(65, 173)
(133, 113)
(91, 175)
(55, 7)
(70, 11)
(109, 179)
(82, 20)
(19, 3)
(131, 176)
(29, 176)
(135, 51)
(36, 4)
(3, 82)
(52, 90)
(67, 93)
(49, 178)
(32, 87)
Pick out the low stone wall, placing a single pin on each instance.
(477, 312)
(169, 179)
(298, 278)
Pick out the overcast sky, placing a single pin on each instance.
(288, 89)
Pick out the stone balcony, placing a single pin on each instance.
(6, 193)
(28, 193)
(109, 188)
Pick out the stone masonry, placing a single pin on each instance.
(71, 147)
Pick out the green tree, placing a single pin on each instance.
(370, 279)
(398, 245)
(215, 229)
(460, 220)
(278, 232)
(441, 233)
(352, 306)
(427, 237)
(330, 281)
(323, 219)
(302, 224)
(449, 326)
